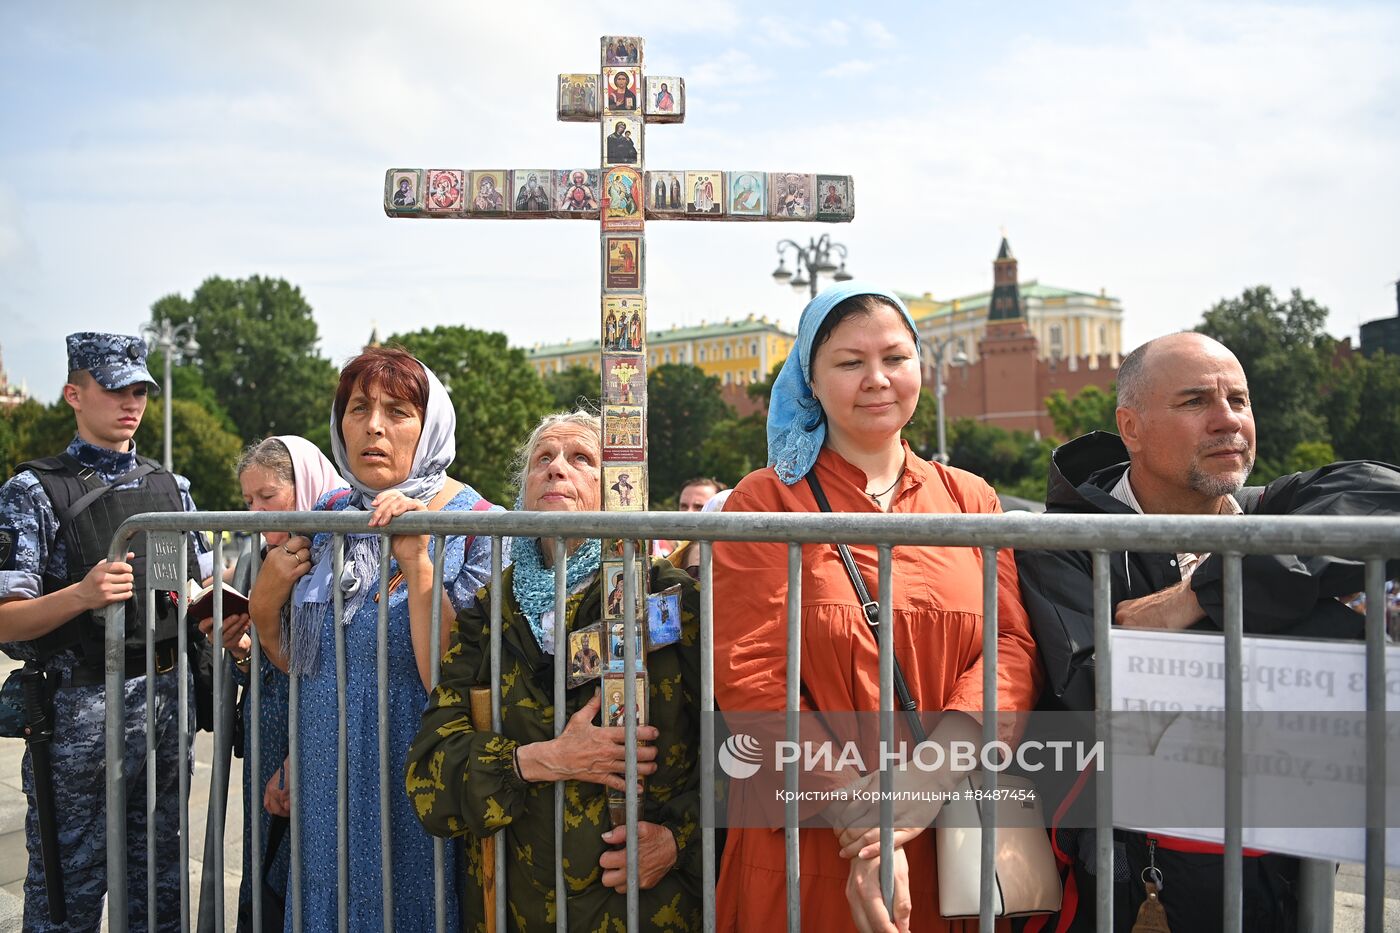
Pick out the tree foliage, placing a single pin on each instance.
(736, 447)
(1285, 354)
(573, 387)
(684, 408)
(201, 449)
(257, 353)
(1362, 407)
(1091, 409)
(497, 396)
(31, 430)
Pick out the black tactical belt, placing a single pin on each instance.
(167, 653)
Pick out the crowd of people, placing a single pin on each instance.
(849, 386)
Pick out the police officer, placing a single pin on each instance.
(54, 582)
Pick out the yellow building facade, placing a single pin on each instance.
(738, 352)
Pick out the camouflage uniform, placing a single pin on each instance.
(36, 549)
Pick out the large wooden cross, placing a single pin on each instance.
(622, 195)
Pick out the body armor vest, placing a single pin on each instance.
(87, 535)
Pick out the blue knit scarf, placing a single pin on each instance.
(533, 583)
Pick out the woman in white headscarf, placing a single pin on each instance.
(393, 437)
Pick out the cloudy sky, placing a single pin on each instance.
(1170, 153)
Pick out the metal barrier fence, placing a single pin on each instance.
(1370, 539)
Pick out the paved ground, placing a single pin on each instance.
(1348, 915)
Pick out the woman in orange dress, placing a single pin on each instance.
(848, 387)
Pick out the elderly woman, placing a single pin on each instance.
(847, 389)
(471, 782)
(392, 436)
(279, 474)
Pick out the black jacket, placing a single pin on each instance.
(1283, 594)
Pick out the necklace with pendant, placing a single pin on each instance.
(875, 496)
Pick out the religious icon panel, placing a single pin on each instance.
(622, 141)
(614, 601)
(746, 194)
(585, 654)
(834, 197)
(790, 195)
(624, 325)
(403, 191)
(624, 374)
(487, 191)
(622, 198)
(531, 191)
(623, 270)
(622, 50)
(625, 487)
(666, 192)
(622, 433)
(622, 89)
(577, 192)
(704, 193)
(446, 190)
(614, 689)
(578, 98)
(665, 99)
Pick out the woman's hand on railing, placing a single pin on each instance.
(867, 902)
(585, 752)
(409, 550)
(656, 855)
(283, 566)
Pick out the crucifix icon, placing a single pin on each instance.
(622, 195)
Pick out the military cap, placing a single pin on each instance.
(114, 360)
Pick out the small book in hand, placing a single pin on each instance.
(202, 604)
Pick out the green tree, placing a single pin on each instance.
(763, 391)
(189, 385)
(257, 353)
(684, 408)
(1092, 409)
(922, 430)
(497, 395)
(31, 430)
(1285, 354)
(1362, 407)
(201, 449)
(1012, 461)
(572, 387)
(736, 447)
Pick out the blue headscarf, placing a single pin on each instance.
(796, 424)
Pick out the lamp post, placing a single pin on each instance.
(172, 339)
(811, 261)
(958, 358)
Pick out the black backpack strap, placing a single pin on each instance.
(871, 608)
(97, 492)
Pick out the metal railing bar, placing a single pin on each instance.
(707, 735)
(1359, 537)
(434, 665)
(885, 619)
(630, 562)
(114, 649)
(218, 790)
(1103, 700)
(342, 745)
(561, 644)
(294, 787)
(495, 649)
(151, 758)
(381, 684)
(990, 626)
(1233, 908)
(792, 854)
(1374, 882)
(183, 729)
(253, 794)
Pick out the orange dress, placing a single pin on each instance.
(937, 610)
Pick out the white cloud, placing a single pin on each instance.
(733, 71)
(848, 68)
(876, 33)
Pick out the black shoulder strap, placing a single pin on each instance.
(871, 608)
(97, 490)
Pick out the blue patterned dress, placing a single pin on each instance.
(412, 852)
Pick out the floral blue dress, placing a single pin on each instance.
(412, 848)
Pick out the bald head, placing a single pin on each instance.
(1185, 418)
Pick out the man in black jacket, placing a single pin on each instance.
(1186, 446)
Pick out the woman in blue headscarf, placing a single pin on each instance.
(392, 437)
(848, 388)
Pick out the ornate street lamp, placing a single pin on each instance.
(958, 358)
(812, 261)
(172, 340)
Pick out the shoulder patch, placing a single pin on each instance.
(8, 538)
